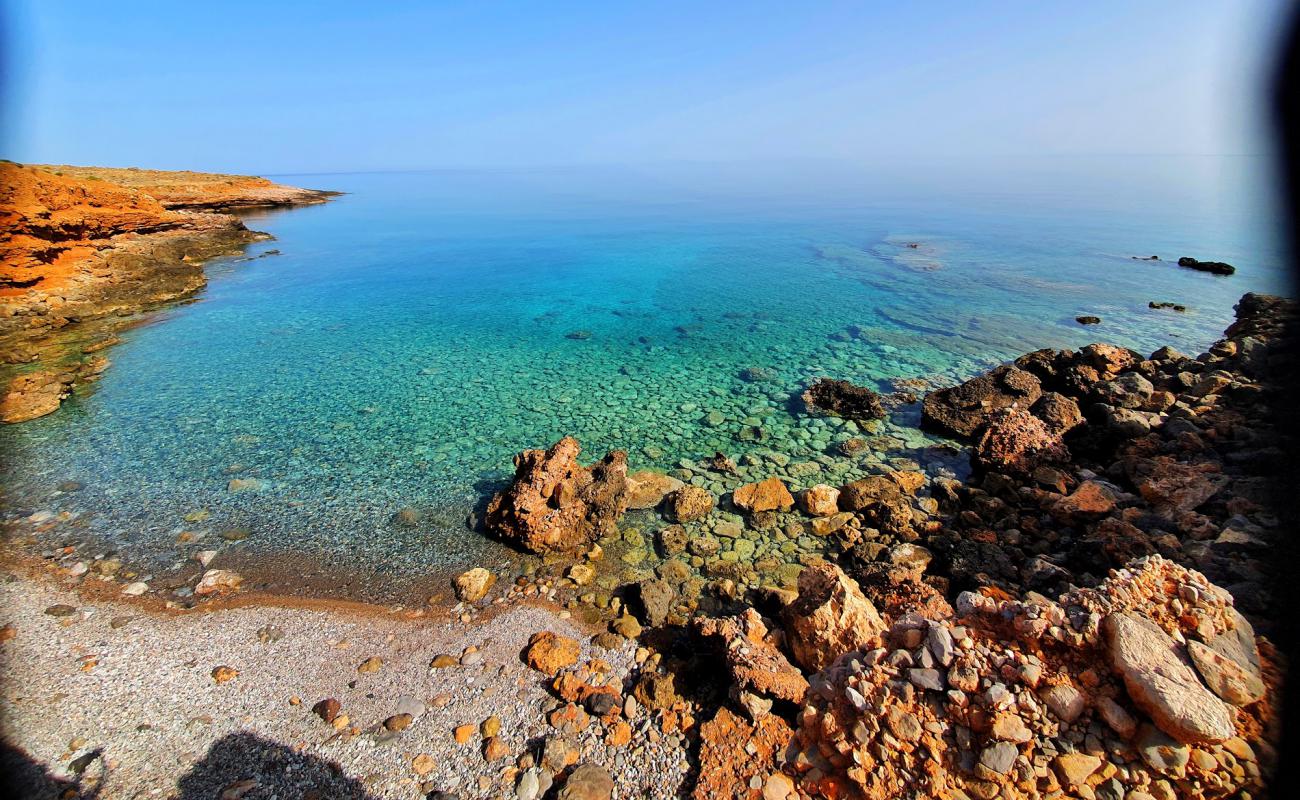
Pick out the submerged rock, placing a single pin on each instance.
(843, 399)
(689, 503)
(648, 489)
(555, 503)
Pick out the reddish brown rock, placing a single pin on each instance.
(830, 617)
(820, 500)
(767, 495)
(1015, 442)
(550, 652)
(555, 503)
(735, 751)
(689, 503)
(1091, 499)
(960, 411)
(752, 657)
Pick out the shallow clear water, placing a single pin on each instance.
(415, 333)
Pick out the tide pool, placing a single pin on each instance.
(414, 334)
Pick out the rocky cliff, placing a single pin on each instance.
(83, 249)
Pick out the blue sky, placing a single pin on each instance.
(321, 86)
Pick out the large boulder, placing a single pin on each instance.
(843, 399)
(555, 503)
(960, 411)
(830, 617)
(1161, 682)
(880, 501)
(1015, 442)
(754, 661)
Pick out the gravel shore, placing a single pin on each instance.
(120, 701)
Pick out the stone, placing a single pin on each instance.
(1161, 752)
(1162, 684)
(223, 674)
(1089, 500)
(549, 652)
(656, 598)
(1225, 677)
(1212, 267)
(737, 757)
(843, 399)
(1074, 768)
(820, 500)
(587, 782)
(689, 503)
(1060, 414)
(370, 665)
(766, 495)
(962, 410)
(999, 757)
(648, 489)
(1065, 701)
(830, 616)
(556, 504)
(398, 722)
(327, 709)
(778, 786)
(1015, 442)
(473, 585)
(751, 656)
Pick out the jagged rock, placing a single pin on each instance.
(736, 753)
(1016, 442)
(831, 616)
(881, 502)
(473, 585)
(554, 503)
(1059, 413)
(656, 597)
(752, 657)
(648, 489)
(766, 495)
(689, 503)
(1162, 684)
(843, 399)
(960, 411)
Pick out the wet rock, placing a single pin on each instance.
(1162, 684)
(843, 399)
(1212, 267)
(672, 540)
(830, 616)
(767, 495)
(689, 503)
(473, 585)
(648, 489)
(554, 503)
(960, 411)
(549, 652)
(820, 500)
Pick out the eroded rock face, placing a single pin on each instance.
(1162, 683)
(752, 657)
(843, 399)
(960, 411)
(831, 616)
(1016, 442)
(555, 503)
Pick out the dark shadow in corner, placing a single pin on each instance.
(21, 776)
(273, 769)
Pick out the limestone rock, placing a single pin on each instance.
(752, 657)
(766, 495)
(960, 411)
(1225, 677)
(1015, 442)
(648, 489)
(472, 585)
(1161, 683)
(550, 652)
(689, 503)
(831, 616)
(820, 500)
(554, 503)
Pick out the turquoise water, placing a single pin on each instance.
(415, 333)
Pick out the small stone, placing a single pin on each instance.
(999, 757)
(423, 764)
(550, 652)
(443, 660)
(135, 589)
(463, 733)
(398, 722)
(327, 709)
(473, 585)
(372, 664)
(587, 782)
(495, 749)
(490, 727)
(222, 674)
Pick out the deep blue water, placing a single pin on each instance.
(415, 333)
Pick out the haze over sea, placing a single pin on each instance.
(411, 336)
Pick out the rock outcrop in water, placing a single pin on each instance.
(843, 399)
(79, 255)
(556, 504)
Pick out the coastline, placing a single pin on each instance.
(1140, 494)
(87, 251)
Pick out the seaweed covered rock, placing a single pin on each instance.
(960, 411)
(843, 399)
(556, 504)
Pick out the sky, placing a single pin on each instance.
(282, 87)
